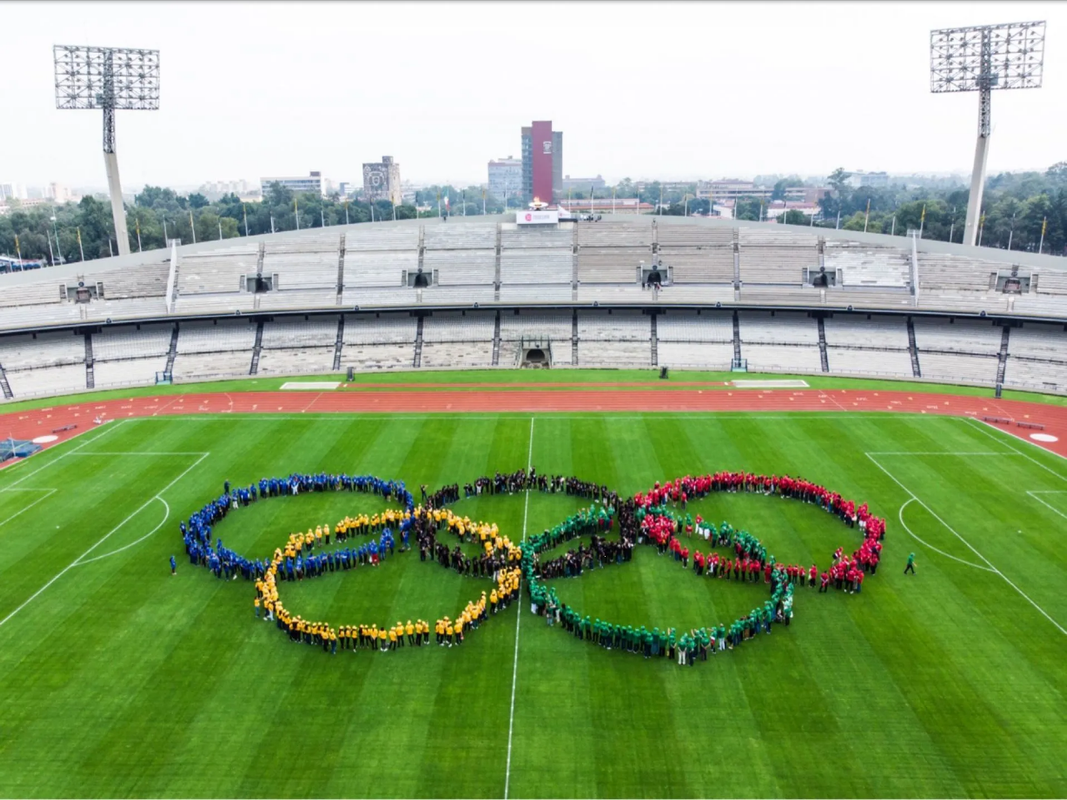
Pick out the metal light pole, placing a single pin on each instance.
(952, 225)
(322, 217)
(922, 221)
(81, 249)
(296, 213)
(1040, 246)
(55, 227)
(1011, 231)
(893, 232)
(51, 253)
(137, 223)
(110, 79)
(867, 215)
(244, 211)
(192, 225)
(346, 211)
(166, 239)
(220, 229)
(272, 222)
(980, 59)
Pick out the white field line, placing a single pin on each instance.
(166, 516)
(518, 621)
(983, 426)
(103, 539)
(1032, 494)
(107, 429)
(900, 516)
(49, 493)
(953, 531)
(938, 453)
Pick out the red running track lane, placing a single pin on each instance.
(47, 421)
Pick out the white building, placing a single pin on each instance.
(875, 180)
(505, 176)
(313, 183)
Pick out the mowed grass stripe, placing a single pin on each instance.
(942, 684)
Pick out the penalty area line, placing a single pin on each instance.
(953, 531)
(518, 620)
(1034, 495)
(79, 560)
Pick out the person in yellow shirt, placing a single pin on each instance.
(494, 600)
(450, 631)
(383, 639)
(392, 639)
(409, 629)
(439, 629)
(458, 628)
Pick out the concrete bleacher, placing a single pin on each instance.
(289, 333)
(782, 358)
(876, 346)
(619, 326)
(513, 237)
(384, 238)
(865, 265)
(457, 354)
(33, 294)
(459, 237)
(699, 265)
(216, 337)
(961, 368)
(1052, 282)
(695, 236)
(622, 355)
(1035, 340)
(611, 265)
(44, 381)
(15, 317)
(303, 265)
(27, 352)
(117, 344)
(689, 326)
(553, 325)
(128, 372)
(781, 327)
(379, 356)
(877, 333)
(295, 360)
(461, 267)
(380, 269)
(459, 326)
(877, 362)
(386, 329)
(939, 271)
(773, 257)
(695, 355)
(1039, 375)
(207, 366)
(635, 232)
(217, 271)
(541, 265)
(960, 336)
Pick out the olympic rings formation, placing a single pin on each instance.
(652, 518)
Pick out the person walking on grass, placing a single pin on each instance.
(911, 564)
(173, 566)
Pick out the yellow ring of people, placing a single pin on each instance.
(371, 635)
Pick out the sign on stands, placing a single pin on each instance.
(537, 217)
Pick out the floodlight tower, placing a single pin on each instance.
(980, 59)
(108, 78)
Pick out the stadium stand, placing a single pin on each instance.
(552, 275)
(294, 346)
(617, 339)
(379, 342)
(867, 266)
(688, 339)
(868, 346)
(771, 257)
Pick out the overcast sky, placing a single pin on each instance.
(640, 90)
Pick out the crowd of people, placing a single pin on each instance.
(658, 518)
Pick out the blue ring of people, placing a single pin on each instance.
(657, 518)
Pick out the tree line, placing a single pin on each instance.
(1017, 207)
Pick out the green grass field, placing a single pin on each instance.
(121, 680)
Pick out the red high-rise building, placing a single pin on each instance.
(542, 162)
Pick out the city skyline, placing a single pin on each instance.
(839, 97)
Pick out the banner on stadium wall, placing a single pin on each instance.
(537, 217)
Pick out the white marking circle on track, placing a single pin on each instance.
(45, 439)
(1037, 437)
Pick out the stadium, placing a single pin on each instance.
(637, 505)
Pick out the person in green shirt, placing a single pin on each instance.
(911, 564)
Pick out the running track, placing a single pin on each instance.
(591, 398)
